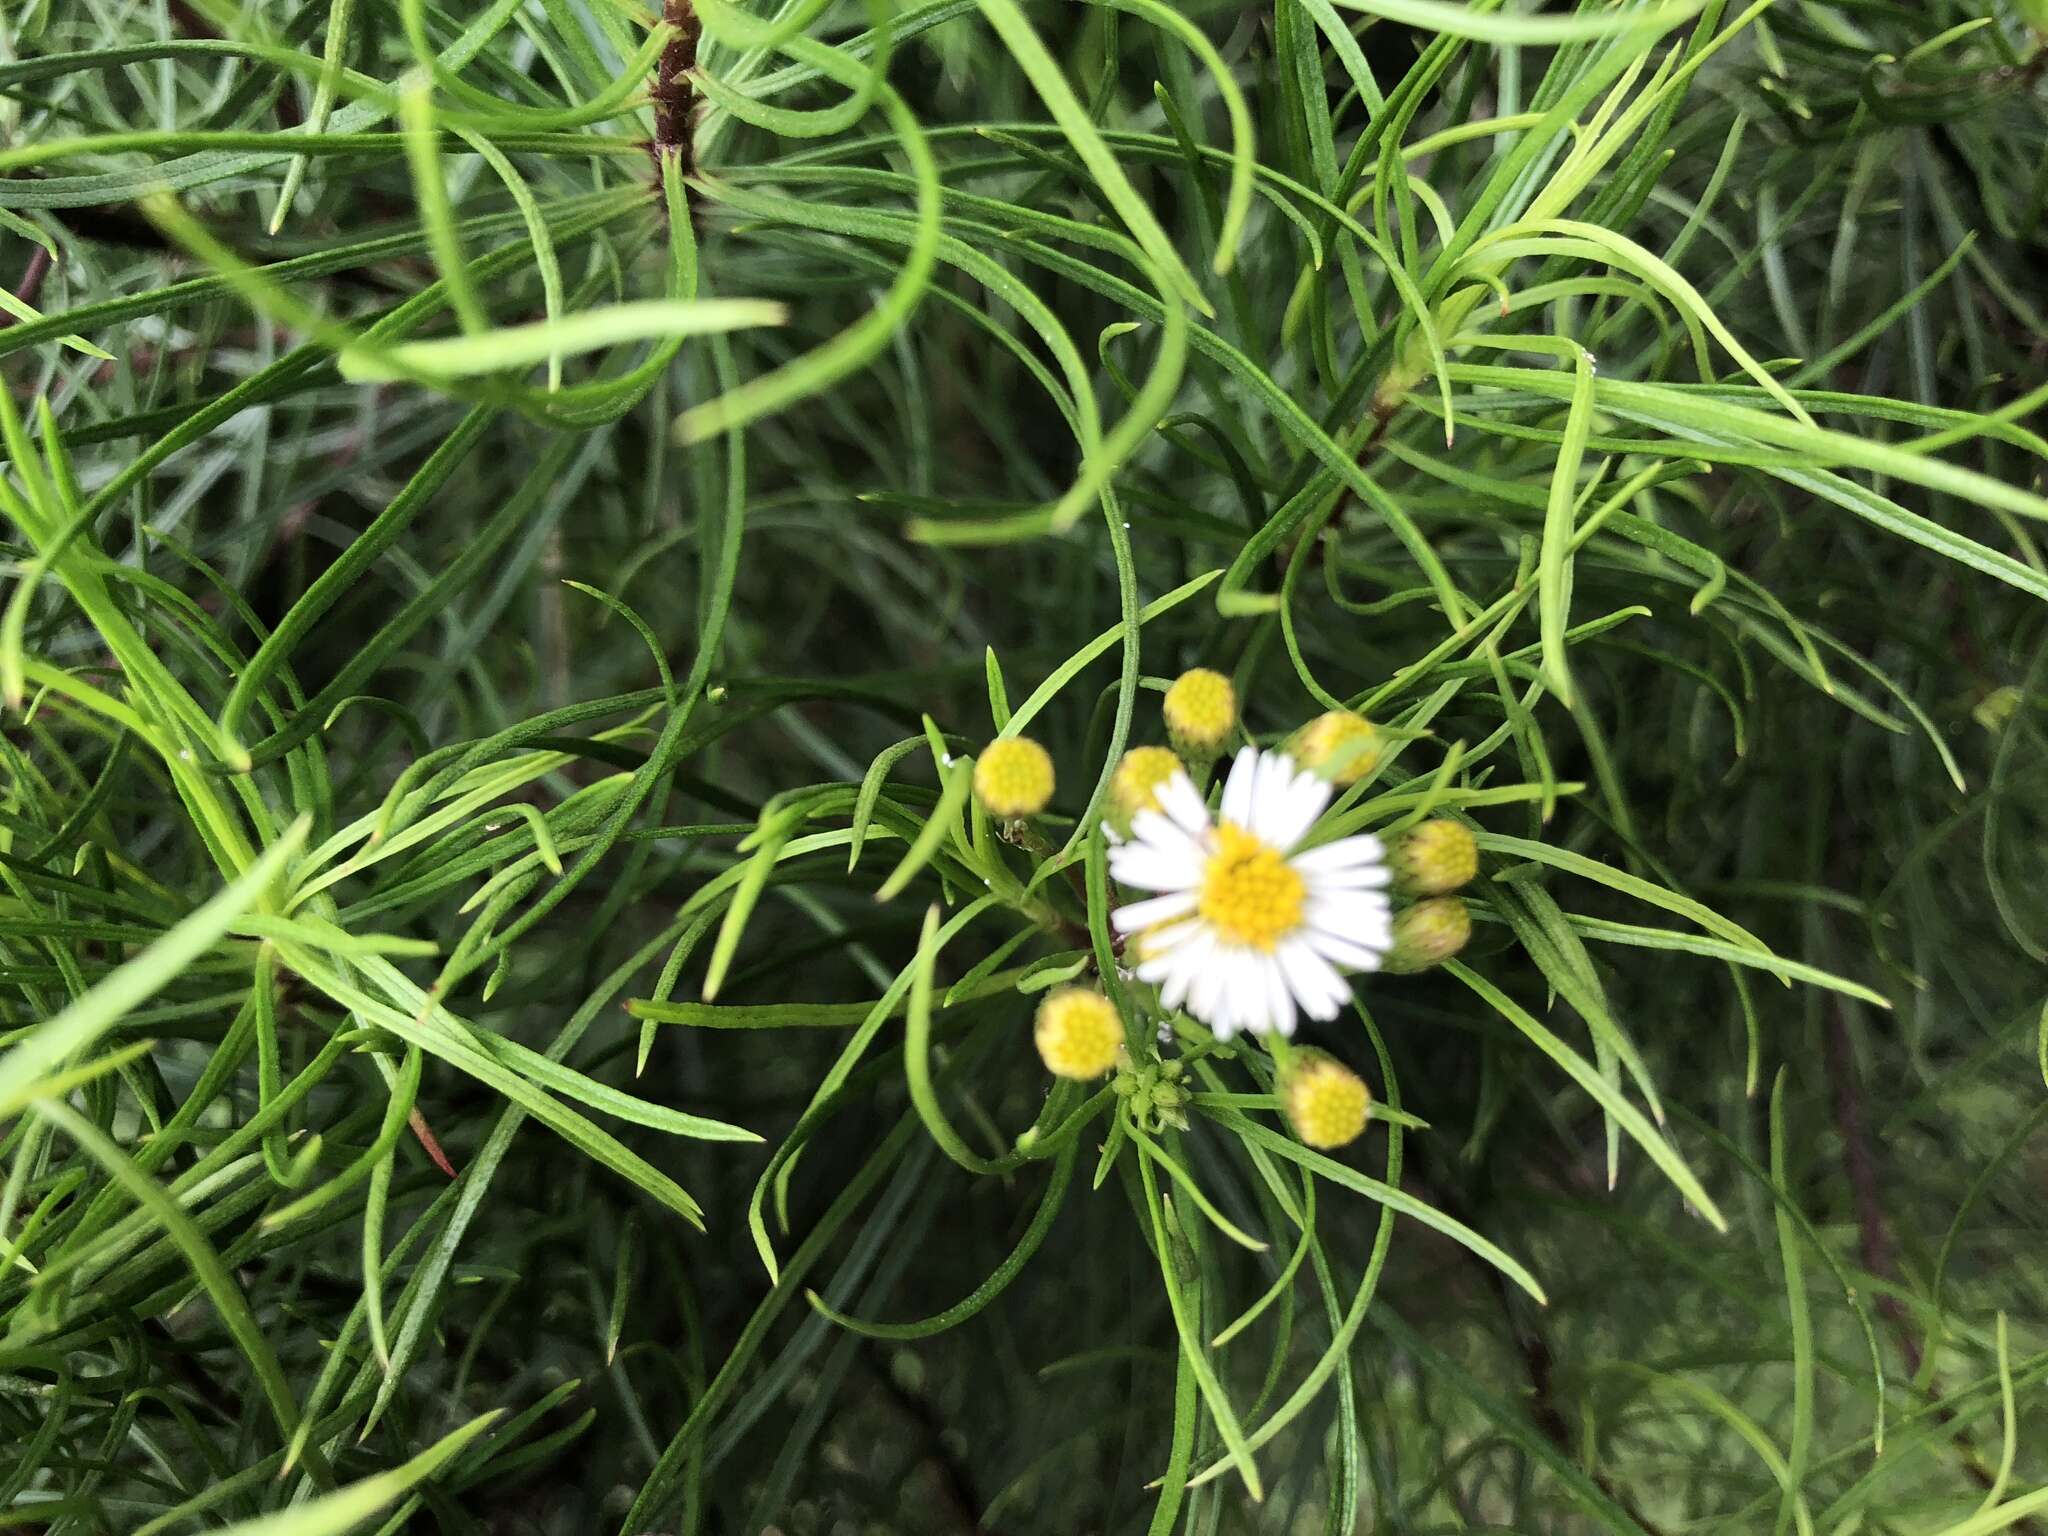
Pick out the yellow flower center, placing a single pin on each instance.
(1078, 1033)
(1013, 777)
(1436, 858)
(1139, 776)
(1200, 709)
(1250, 894)
(1327, 1103)
(1341, 746)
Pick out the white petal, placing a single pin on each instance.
(1179, 985)
(1279, 996)
(1271, 775)
(1184, 967)
(1247, 991)
(1157, 831)
(1162, 831)
(1209, 993)
(1212, 998)
(1347, 914)
(1169, 975)
(1346, 853)
(1314, 790)
(1378, 940)
(1162, 956)
(1364, 922)
(1183, 805)
(1158, 909)
(1240, 787)
(1205, 994)
(1321, 990)
(1358, 956)
(1351, 916)
(1151, 868)
(1267, 781)
(1292, 808)
(1360, 877)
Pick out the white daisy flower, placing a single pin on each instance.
(1243, 930)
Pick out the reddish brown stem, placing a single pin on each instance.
(31, 281)
(418, 1122)
(673, 97)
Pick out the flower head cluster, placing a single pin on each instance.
(1153, 1094)
(1247, 926)
(1201, 712)
(1245, 916)
(1436, 858)
(1430, 862)
(1140, 775)
(1339, 745)
(1428, 934)
(1013, 777)
(1325, 1101)
(1078, 1033)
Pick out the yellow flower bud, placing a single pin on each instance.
(1326, 1102)
(1340, 746)
(1201, 711)
(1135, 785)
(1078, 1033)
(1013, 777)
(1428, 934)
(1435, 858)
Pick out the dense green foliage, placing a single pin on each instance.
(520, 517)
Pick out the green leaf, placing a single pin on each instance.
(1554, 571)
(52, 1043)
(346, 1508)
(1459, 18)
(1609, 1098)
(1050, 82)
(524, 346)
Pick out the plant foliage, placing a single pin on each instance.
(520, 518)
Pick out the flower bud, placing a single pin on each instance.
(1435, 858)
(1326, 1102)
(1428, 934)
(1013, 777)
(1201, 712)
(1078, 1033)
(1340, 746)
(1135, 785)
